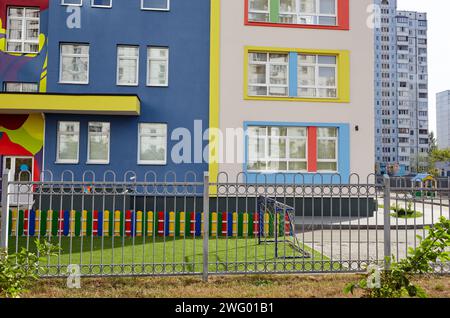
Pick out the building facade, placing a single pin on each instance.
(401, 90)
(443, 119)
(83, 91)
(298, 81)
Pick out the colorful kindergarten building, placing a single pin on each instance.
(105, 85)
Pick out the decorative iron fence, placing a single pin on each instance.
(197, 226)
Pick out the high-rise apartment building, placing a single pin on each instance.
(401, 90)
(443, 119)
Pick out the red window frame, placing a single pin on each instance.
(343, 19)
(42, 4)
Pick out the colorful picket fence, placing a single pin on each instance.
(35, 223)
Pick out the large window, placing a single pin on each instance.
(23, 30)
(98, 143)
(258, 10)
(320, 12)
(163, 5)
(127, 65)
(268, 74)
(152, 144)
(277, 149)
(68, 142)
(327, 149)
(20, 87)
(317, 76)
(158, 66)
(74, 64)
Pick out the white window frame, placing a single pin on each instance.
(336, 139)
(98, 162)
(155, 9)
(297, 15)
(73, 55)
(268, 65)
(128, 58)
(150, 59)
(5, 87)
(63, 3)
(250, 11)
(24, 20)
(152, 162)
(101, 6)
(316, 86)
(267, 159)
(58, 134)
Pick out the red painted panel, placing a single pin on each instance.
(42, 4)
(343, 13)
(312, 149)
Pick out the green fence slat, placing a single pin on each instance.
(21, 221)
(10, 223)
(55, 223)
(89, 224)
(43, 225)
(177, 224)
(240, 224)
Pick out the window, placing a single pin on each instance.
(72, 2)
(98, 143)
(268, 74)
(163, 5)
(68, 142)
(152, 144)
(317, 76)
(277, 149)
(127, 65)
(158, 66)
(74, 64)
(21, 87)
(23, 30)
(258, 10)
(102, 3)
(327, 149)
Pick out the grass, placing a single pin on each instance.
(412, 215)
(248, 286)
(147, 255)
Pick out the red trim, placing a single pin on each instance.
(343, 15)
(42, 4)
(312, 149)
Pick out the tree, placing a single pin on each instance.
(437, 155)
(433, 142)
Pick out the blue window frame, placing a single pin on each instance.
(72, 2)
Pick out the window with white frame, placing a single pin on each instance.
(276, 148)
(317, 76)
(315, 12)
(101, 3)
(68, 142)
(268, 74)
(72, 2)
(327, 149)
(98, 142)
(158, 66)
(127, 65)
(162, 5)
(74, 61)
(22, 34)
(258, 10)
(152, 144)
(20, 87)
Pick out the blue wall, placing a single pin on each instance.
(184, 29)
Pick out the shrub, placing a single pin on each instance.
(395, 281)
(18, 270)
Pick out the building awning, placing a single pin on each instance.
(19, 103)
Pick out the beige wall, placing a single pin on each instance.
(234, 110)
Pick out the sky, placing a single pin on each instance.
(438, 46)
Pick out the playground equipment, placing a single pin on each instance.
(282, 219)
(424, 186)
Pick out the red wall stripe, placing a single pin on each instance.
(312, 149)
(343, 12)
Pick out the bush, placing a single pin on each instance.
(17, 271)
(395, 281)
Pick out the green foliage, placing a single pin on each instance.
(395, 282)
(435, 156)
(18, 270)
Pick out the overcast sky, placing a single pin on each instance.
(438, 46)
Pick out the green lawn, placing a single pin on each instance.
(150, 255)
